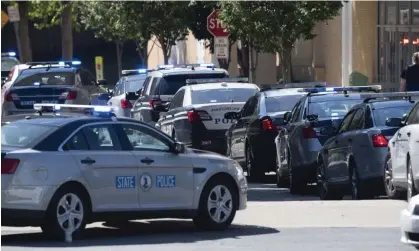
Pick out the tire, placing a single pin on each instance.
(78, 203)
(391, 190)
(281, 182)
(253, 171)
(297, 184)
(357, 190)
(326, 192)
(207, 212)
(411, 189)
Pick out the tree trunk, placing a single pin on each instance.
(119, 51)
(24, 33)
(285, 56)
(165, 48)
(243, 57)
(67, 31)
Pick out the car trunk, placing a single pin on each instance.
(278, 119)
(388, 132)
(27, 96)
(217, 112)
(322, 123)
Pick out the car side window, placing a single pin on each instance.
(357, 122)
(368, 119)
(413, 117)
(145, 85)
(344, 126)
(78, 143)
(101, 138)
(177, 99)
(296, 113)
(257, 105)
(145, 139)
(154, 85)
(250, 108)
(118, 88)
(86, 78)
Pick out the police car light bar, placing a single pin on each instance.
(53, 63)
(305, 85)
(165, 66)
(135, 72)
(216, 80)
(368, 88)
(73, 108)
(8, 54)
(390, 95)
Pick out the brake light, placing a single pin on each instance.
(125, 104)
(154, 102)
(379, 141)
(195, 116)
(309, 133)
(11, 97)
(72, 95)
(268, 125)
(8, 166)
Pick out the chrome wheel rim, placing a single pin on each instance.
(220, 204)
(354, 183)
(70, 212)
(388, 176)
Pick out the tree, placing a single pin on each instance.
(50, 13)
(165, 20)
(275, 26)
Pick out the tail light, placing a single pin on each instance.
(309, 133)
(154, 102)
(125, 104)
(11, 97)
(8, 166)
(379, 141)
(195, 116)
(71, 95)
(268, 125)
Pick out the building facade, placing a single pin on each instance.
(369, 42)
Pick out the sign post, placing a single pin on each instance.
(99, 68)
(14, 18)
(220, 33)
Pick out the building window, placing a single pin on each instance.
(415, 12)
(391, 11)
(404, 13)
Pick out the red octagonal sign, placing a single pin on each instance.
(215, 26)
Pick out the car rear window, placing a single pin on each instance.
(134, 83)
(32, 78)
(22, 134)
(332, 108)
(222, 95)
(8, 63)
(281, 103)
(169, 85)
(382, 114)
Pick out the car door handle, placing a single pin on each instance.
(399, 135)
(147, 161)
(408, 134)
(88, 161)
(110, 103)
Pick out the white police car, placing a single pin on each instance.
(195, 116)
(63, 170)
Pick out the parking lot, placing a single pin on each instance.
(274, 220)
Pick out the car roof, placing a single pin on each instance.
(52, 69)
(181, 71)
(212, 86)
(283, 92)
(380, 104)
(320, 97)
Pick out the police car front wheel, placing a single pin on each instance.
(66, 213)
(217, 206)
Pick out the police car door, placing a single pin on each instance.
(172, 120)
(110, 173)
(166, 179)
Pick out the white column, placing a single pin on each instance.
(346, 42)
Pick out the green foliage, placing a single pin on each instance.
(46, 14)
(274, 26)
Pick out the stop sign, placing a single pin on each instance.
(215, 26)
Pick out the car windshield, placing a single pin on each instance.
(22, 134)
(332, 108)
(36, 78)
(281, 103)
(382, 114)
(222, 95)
(8, 63)
(169, 85)
(134, 83)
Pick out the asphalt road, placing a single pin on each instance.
(274, 220)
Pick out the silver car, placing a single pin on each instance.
(62, 171)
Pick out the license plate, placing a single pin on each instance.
(49, 101)
(27, 102)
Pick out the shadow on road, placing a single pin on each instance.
(270, 192)
(148, 232)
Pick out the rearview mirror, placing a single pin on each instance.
(139, 91)
(394, 122)
(102, 82)
(178, 148)
(287, 116)
(131, 96)
(231, 115)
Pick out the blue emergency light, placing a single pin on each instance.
(9, 54)
(95, 110)
(369, 88)
(142, 70)
(165, 66)
(12, 54)
(69, 62)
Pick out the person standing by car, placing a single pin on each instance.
(410, 76)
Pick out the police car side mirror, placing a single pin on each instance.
(102, 82)
(231, 115)
(162, 108)
(287, 117)
(178, 148)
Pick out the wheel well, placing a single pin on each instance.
(226, 177)
(351, 162)
(407, 162)
(81, 188)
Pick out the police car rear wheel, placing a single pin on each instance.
(67, 211)
(217, 206)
